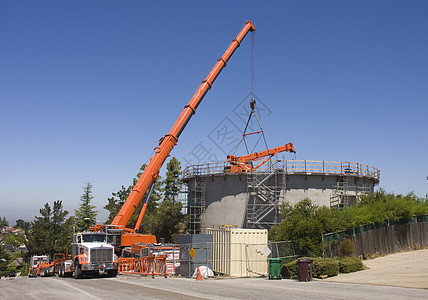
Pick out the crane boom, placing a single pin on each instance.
(167, 143)
(245, 163)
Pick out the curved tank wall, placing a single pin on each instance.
(252, 200)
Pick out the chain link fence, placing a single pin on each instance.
(224, 259)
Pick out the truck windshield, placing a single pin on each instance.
(94, 238)
(38, 260)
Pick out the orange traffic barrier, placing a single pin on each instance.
(148, 265)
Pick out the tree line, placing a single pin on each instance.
(305, 222)
(7, 259)
(51, 231)
(164, 217)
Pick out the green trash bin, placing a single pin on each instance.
(274, 268)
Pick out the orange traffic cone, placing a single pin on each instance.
(198, 275)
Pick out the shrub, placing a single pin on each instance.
(347, 247)
(350, 264)
(290, 270)
(325, 266)
(304, 223)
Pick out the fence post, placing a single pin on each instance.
(322, 244)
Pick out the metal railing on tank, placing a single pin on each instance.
(307, 167)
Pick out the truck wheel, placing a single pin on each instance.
(111, 273)
(61, 270)
(78, 271)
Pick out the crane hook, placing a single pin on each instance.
(253, 104)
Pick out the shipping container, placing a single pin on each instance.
(239, 252)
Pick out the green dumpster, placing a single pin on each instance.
(274, 268)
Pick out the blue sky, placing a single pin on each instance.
(87, 88)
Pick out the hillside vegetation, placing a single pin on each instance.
(305, 222)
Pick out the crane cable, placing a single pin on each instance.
(253, 65)
(253, 75)
(253, 94)
(252, 103)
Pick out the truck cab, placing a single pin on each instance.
(35, 262)
(93, 255)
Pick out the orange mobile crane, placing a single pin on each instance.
(122, 236)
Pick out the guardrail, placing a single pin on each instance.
(148, 265)
(307, 167)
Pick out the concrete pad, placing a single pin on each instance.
(407, 269)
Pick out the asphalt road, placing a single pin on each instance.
(136, 287)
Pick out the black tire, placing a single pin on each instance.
(112, 273)
(61, 270)
(78, 274)
(32, 273)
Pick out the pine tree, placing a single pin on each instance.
(20, 223)
(4, 222)
(172, 183)
(169, 221)
(5, 259)
(116, 202)
(51, 232)
(163, 219)
(86, 215)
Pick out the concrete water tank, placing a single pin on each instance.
(253, 200)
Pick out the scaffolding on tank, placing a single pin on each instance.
(196, 204)
(265, 191)
(347, 192)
